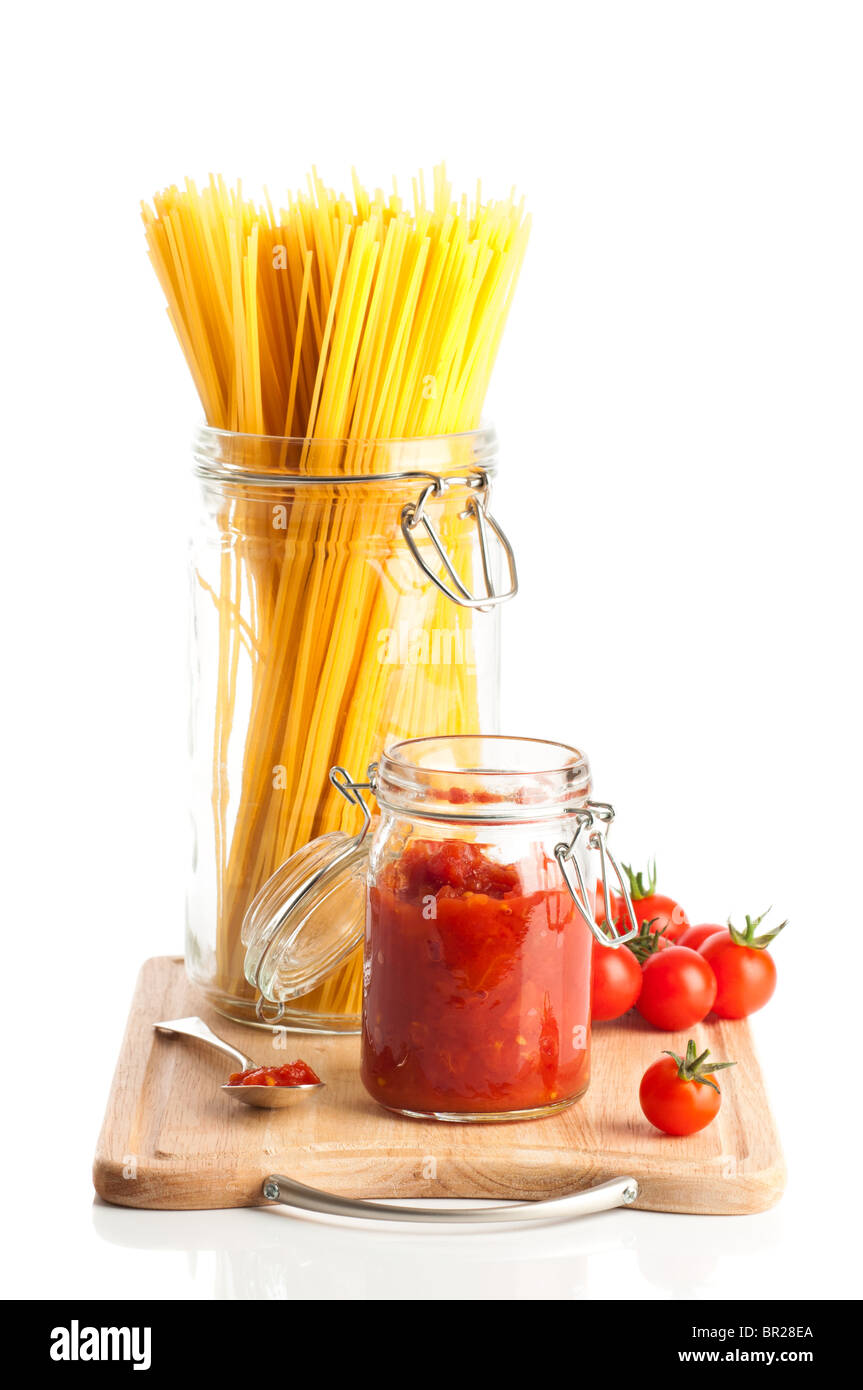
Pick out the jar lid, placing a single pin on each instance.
(308, 917)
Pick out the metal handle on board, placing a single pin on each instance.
(619, 1192)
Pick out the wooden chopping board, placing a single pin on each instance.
(171, 1140)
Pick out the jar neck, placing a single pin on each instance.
(482, 779)
(225, 455)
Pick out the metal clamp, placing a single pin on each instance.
(264, 1015)
(352, 792)
(593, 821)
(414, 515)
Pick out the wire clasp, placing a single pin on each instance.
(414, 516)
(593, 822)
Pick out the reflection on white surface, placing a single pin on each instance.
(271, 1253)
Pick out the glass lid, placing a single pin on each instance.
(326, 881)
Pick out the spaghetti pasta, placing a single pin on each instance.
(334, 325)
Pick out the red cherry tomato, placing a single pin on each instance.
(680, 1095)
(616, 982)
(677, 989)
(745, 977)
(665, 914)
(744, 969)
(695, 937)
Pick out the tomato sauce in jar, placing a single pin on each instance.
(478, 996)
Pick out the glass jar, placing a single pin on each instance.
(344, 597)
(474, 894)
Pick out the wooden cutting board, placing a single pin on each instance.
(171, 1140)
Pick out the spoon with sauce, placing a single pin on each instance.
(276, 1096)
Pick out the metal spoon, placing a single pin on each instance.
(265, 1097)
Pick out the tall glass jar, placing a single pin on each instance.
(344, 598)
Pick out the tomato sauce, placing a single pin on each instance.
(288, 1074)
(477, 984)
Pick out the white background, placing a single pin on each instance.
(678, 399)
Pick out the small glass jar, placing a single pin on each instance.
(474, 895)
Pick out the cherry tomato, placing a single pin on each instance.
(649, 906)
(744, 969)
(679, 1095)
(616, 981)
(677, 989)
(695, 937)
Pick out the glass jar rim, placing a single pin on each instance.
(262, 458)
(487, 777)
